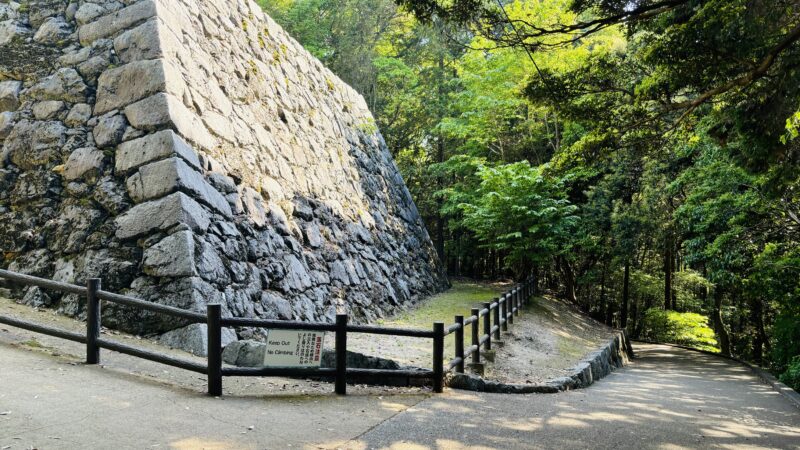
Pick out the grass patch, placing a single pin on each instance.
(32, 343)
(458, 300)
(569, 348)
(444, 307)
(535, 307)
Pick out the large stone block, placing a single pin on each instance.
(109, 130)
(165, 111)
(54, 31)
(121, 86)
(150, 40)
(163, 144)
(162, 214)
(11, 30)
(173, 256)
(160, 178)
(194, 338)
(112, 24)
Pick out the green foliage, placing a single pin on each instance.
(520, 211)
(786, 334)
(690, 289)
(791, 377)
(792, 128)
(689, 329)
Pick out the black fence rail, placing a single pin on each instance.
(505, 308)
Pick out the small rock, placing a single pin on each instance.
(48, 109)
(109, 130)
(65, 85)
(6, 124)
(83, 162)
(78, 115)
(54, 31)
(9, 95)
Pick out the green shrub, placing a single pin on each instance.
(786, 340)
(792, 375)
(687, 329)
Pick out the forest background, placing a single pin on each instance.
(640, 156)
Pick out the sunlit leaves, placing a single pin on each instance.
(521, 211)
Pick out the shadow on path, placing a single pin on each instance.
(668, 398)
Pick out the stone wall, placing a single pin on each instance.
(191, 152)
(613, 355)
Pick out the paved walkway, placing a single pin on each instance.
(669, 398)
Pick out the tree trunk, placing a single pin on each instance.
(667, 274)
(760, 340)
(603, 305)
(569, 281)
(719, 326)
(626, 281)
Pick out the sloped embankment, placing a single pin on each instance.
(552, 345)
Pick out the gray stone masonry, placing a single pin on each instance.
(189, 152)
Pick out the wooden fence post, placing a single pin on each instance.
(517, 301)
(93, 286)
(526, 292)
(497, 320)
(476, 355)
(503, 312)
(438, 357)
(459, 337)
(487, 325)
(214, 319)
(510, 308)
(341, 354)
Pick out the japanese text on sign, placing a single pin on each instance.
(293, 348)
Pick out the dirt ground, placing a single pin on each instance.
(545, 342)
(548, 339)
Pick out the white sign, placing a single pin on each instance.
(294, 348)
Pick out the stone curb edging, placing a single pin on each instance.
(615, 354)
(789, 393)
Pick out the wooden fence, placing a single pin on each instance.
(505, 308)
(496, 316)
